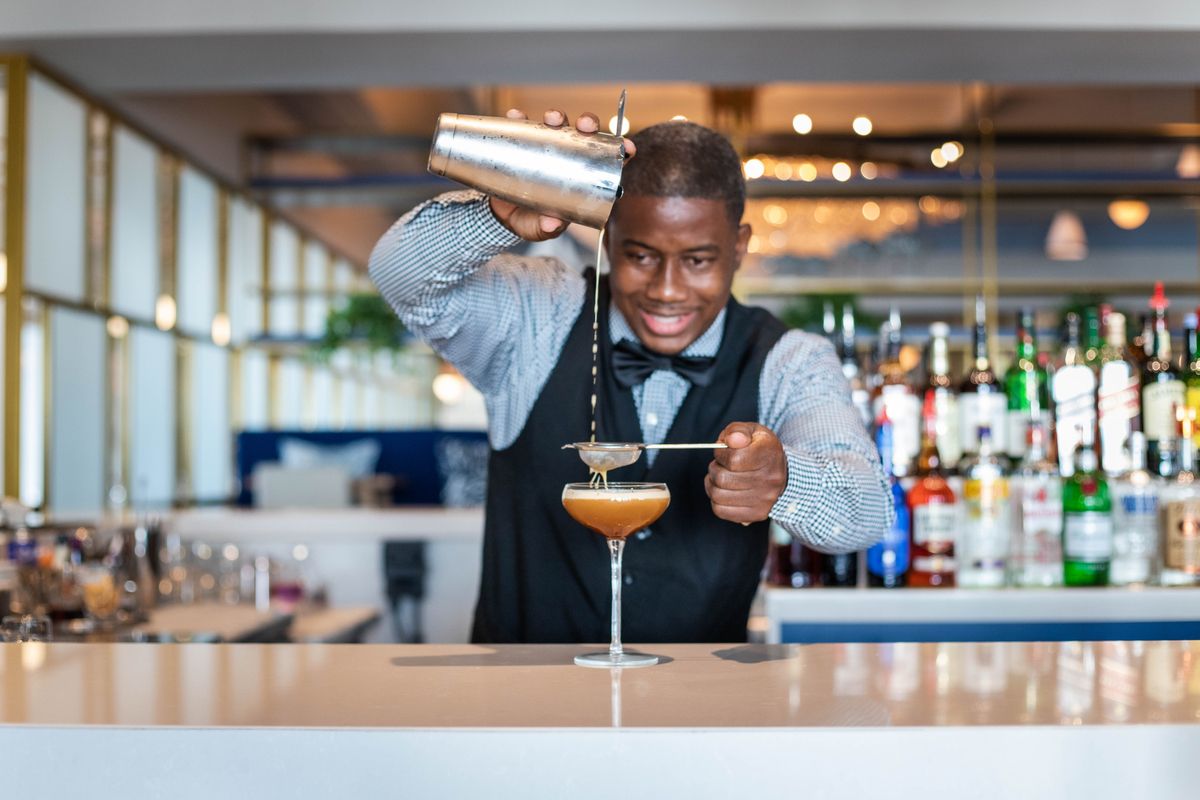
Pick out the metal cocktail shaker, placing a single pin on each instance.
(557, 171)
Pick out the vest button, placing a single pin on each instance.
(643, 534)
(628, 579)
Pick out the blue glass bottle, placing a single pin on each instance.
(887, 559)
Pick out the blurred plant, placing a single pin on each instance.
(1079, 302)
(362, 318)
(808, 313)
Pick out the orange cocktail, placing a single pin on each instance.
(614, 511)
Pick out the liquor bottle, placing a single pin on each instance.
(1092, 342)
(1023, 386)
(848, 350)
(1191, 364)
(935, 513)
(839, 570)
(1143, 344)
(1087, 521)
(1162, 387)
(790, 563)
(1180, 500)
(1074, 393)
(887, 559)
(982, 549)
(1118, 397)
(981, 399)
(945, 399)
(897, 398)
(1035, 558)
(1135, 521)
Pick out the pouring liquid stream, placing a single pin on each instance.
(597, 477)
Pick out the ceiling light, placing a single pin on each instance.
(612, 125)
(802, 124)
(952, 151)
(783, 171)
(870, 211)
(754, 168)
(1128, 213)
(862, 126)
(807, 172)
(679, 118)
(3, 270)
(775, 214)
(778, 239)
(842, 171)
(117, 326)
(449, 388)
(754, 245)
(1066, 239)
(1188, 165)
(222, 329)
(937, 158)
(868, 170)
(164, 312)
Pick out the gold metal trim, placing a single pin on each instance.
(47, 403)
(16, 120)
(185, 490)
(301, 283)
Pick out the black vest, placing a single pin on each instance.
(545, 576)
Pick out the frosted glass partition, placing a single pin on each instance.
(33, 410)
(291, 394)
(372, 404)
(77, 405)
(316, 303)
(245, 270)
(322, 397)
(350, 416)
(285, 306)
(212, 441)
(151, 418)
(135, 274)
(343, 276)
(2, 364)
(54, 191)
(255, 413)
(197, 259)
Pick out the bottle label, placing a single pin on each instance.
(949, 427)
(889, 556)
(1192, 398)
(932, 564)
(1087, 536)
(904, 410)
(1182, 536)
(1018, 430)
(1138, 505)
(1118, 408)
(1039, 522)
(985, 497)
(982, 408)
(1074, 389)
(935, 526)
(1159, 401)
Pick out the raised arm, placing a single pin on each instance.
(836, 498)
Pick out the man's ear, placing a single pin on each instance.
(743, 241)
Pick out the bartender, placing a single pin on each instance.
(680, 361)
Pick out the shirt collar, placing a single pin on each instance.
(705, 346)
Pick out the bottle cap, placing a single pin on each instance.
(1189, 319)
(939, 330)
(1158, 301)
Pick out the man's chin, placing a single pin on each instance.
(666, 345)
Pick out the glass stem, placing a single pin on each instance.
(615, 548)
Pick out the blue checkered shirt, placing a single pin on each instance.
(503, 319)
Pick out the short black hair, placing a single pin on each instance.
(683, 159)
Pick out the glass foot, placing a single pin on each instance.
(605, 660)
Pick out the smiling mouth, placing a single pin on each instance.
(667, 324)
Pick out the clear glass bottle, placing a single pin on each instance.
(860, 396)
(899, 400)
(1035, 558)
(1135, 521)
(1180, 503)
(984, 539)
(1118, 397)
(945, 398)
(1074, 391)
(1087, 521)
(1162, 386)
(981, 398)
(887, 559)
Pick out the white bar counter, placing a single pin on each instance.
(979, 720)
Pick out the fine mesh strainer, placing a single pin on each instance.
(604, 456)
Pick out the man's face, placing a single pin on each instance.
(673, 260)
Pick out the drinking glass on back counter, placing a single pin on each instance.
(26, 628)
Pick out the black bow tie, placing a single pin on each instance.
(632, 364)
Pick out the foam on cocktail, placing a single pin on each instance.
(616, 512)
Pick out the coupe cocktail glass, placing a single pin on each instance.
(615, 511)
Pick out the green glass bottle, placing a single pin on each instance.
(1024, 385)
(1087, 520)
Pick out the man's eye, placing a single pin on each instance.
(697, 262)
(640, 258)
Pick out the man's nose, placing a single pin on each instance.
(667, 285)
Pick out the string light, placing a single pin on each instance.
(802, 124)
(842, 171)
(862, 126)
(612, 125)
(754, 168)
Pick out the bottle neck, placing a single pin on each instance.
(1187, 455)
(1162, 342)
(939, 357)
